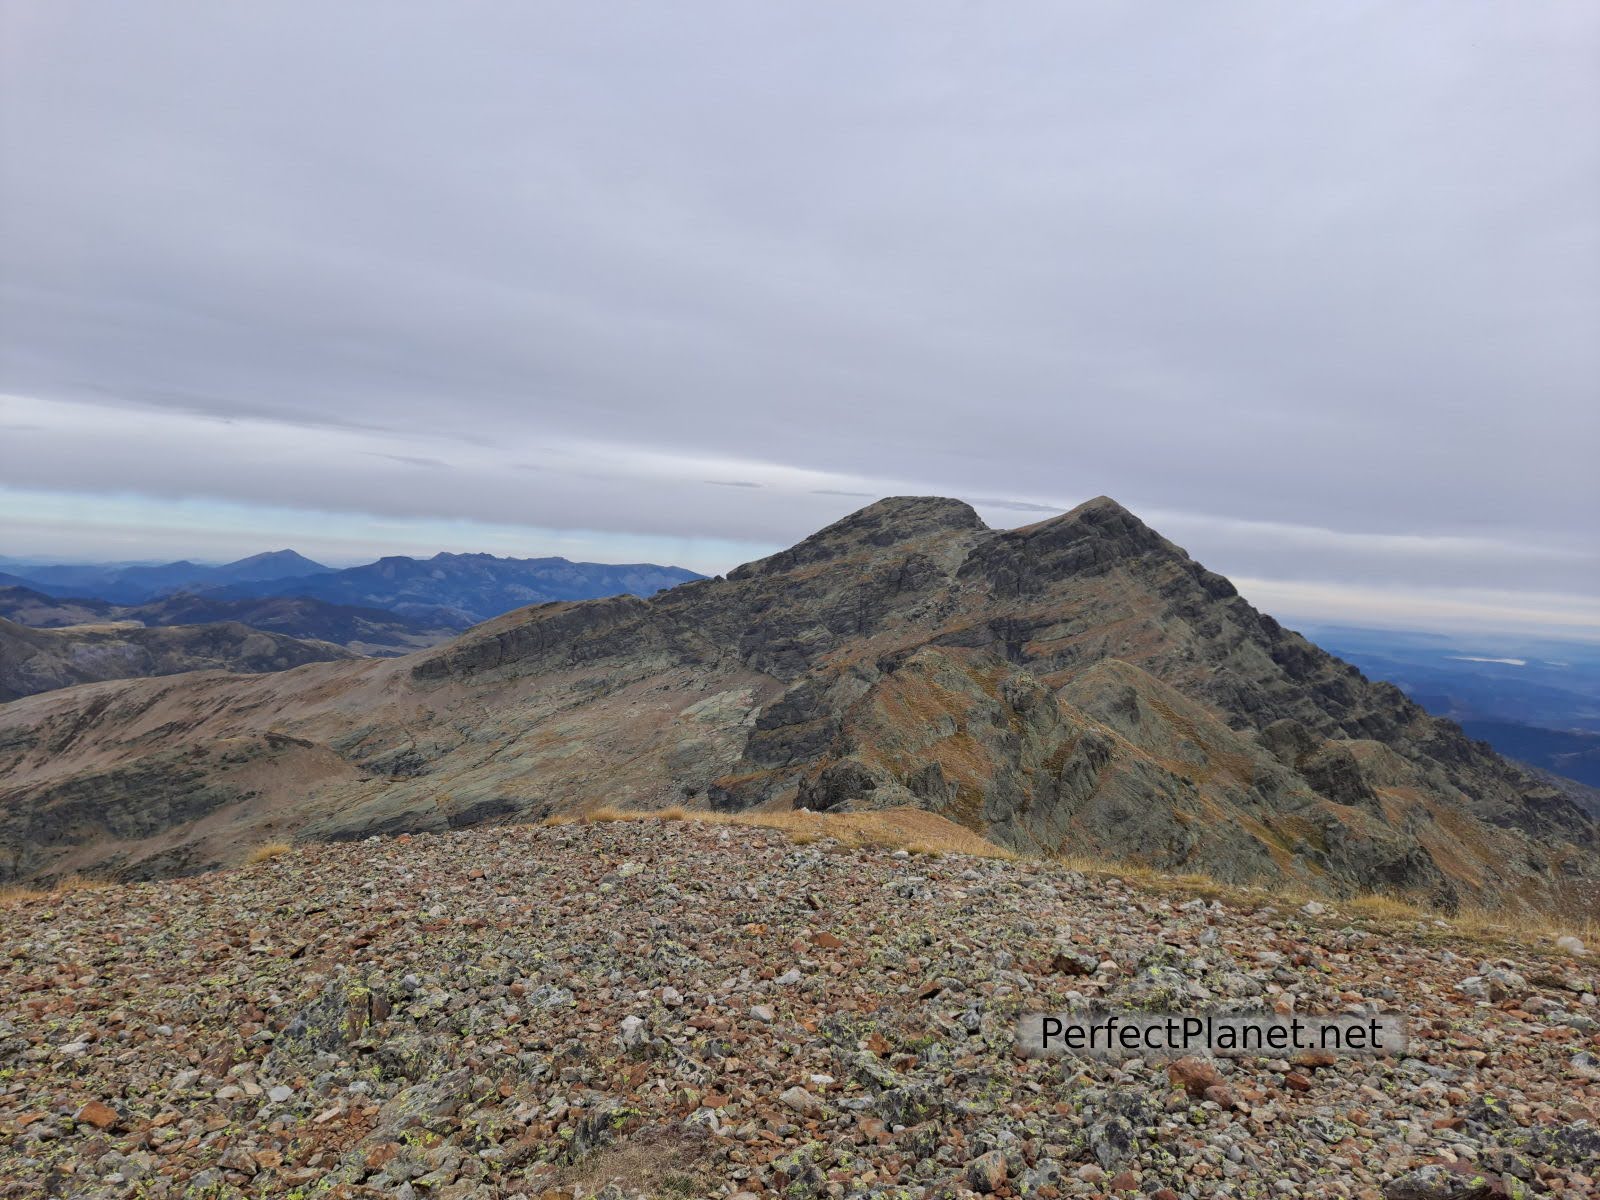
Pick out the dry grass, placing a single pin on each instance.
(23, 894)
(675, 1165)
(266, 851)
(17, 894)
(1388, 908)
(1494, 926)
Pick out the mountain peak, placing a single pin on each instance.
(888, 522)
(1089, 539)
(271, 564)
(1100, 511)
(1102, 504)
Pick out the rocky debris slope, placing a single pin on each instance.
(1076, 683)
(39, 660)
(682, 1009)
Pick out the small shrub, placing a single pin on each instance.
(1387, 908)
(265, 851)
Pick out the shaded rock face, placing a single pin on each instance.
(1079, 685)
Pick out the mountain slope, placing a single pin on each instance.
(39, 660)
(26, 606)
(362, 630)
(1076, 685)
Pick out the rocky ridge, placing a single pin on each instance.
(1076, 685)
(683, 1009)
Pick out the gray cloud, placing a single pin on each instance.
(1010, 505)
(411, 460)
(1312, 286)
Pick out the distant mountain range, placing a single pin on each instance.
(130, 584)
(445, 591)
(468, 588)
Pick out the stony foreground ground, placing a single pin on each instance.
(683, 1009)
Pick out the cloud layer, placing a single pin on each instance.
(1312, 287)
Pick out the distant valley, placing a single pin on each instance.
(1533, 699)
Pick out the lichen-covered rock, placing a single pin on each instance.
(442, 1013)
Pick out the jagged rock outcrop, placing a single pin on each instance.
(1079, 685)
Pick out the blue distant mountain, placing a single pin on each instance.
(125, 584)
(468, 588)
(447, 590)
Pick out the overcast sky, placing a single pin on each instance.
(1313, 288)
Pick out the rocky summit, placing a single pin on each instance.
(680, 1009)
(1076, 686)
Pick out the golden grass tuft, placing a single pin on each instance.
(1498, 924)
(25, 894)
(1379, 907)
(266, 851)
(1520, 927)
(17, 894)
